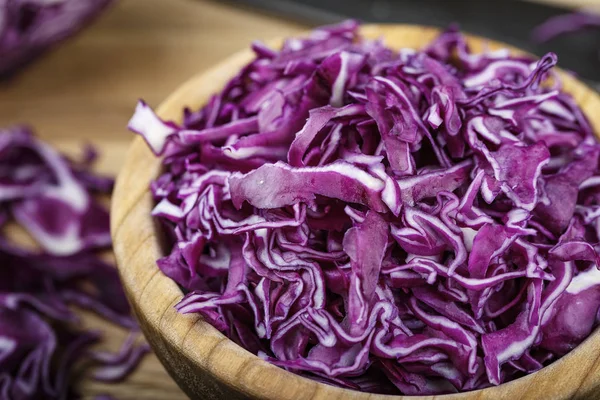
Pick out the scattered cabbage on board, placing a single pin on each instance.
(53, 199)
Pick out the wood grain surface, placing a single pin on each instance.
(85, 91)
(584, 4)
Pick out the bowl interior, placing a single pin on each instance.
(202, 359)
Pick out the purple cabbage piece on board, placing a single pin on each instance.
(30, 27)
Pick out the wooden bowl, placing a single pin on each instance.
(205, 363)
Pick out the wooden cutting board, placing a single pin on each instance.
(85, 92)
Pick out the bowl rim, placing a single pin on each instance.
(154, 295)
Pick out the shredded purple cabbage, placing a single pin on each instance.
(30, 27)
(53, 199)
(564, 24)
(391, 221)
